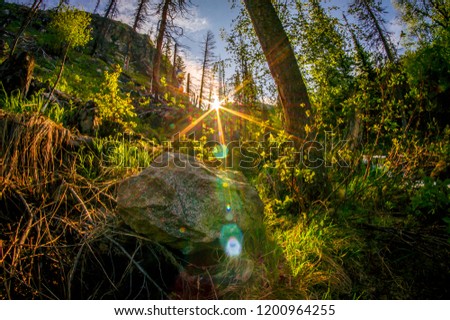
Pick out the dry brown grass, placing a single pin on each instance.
(59, 237)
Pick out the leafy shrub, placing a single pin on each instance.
(71, 27)
(113, 105)
(432, 199)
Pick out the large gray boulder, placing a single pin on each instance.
(183, 203)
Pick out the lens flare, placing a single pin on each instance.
(231, 239)
(196, 122)
(233, 247)
(248, 118)
(228, 207)
(220, 151)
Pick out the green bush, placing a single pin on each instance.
(432, 200)
(113, 105)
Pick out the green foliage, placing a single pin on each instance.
(425, 20)
(334, 232)
(71, 26)
(313, 254)
(252, 76)
(431, 199)
(16, 103)
(322, 54)
(114, 157)
(113, 105)
(285, 181)
(131, 155)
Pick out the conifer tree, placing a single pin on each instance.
(369, 14)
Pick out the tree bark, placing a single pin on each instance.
(202, 81)
(139, 19)
(282, 64)
(159, 43)
(188, 87)
(174, 66)
(207, 52)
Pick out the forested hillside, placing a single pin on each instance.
(318, 170)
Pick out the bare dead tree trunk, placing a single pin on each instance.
(156, 87)
(207, 55)
(174, 65)
(188, 87)
(139, 19)
(96, 6)
(109, 13)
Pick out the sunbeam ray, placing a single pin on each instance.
(196, 122)
(248, 118)
(219, 125)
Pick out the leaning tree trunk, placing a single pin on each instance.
(282, 64)
(61, 69)
(386, 45)
(33, 10)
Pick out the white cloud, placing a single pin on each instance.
(193, 22)
(126, 11)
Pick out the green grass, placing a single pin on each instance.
(115, 157)
(16, 103)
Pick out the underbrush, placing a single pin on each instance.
(114, 157)
(60, 237)
(17, 103)
(374, 229)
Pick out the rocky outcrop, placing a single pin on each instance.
(184, 204)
